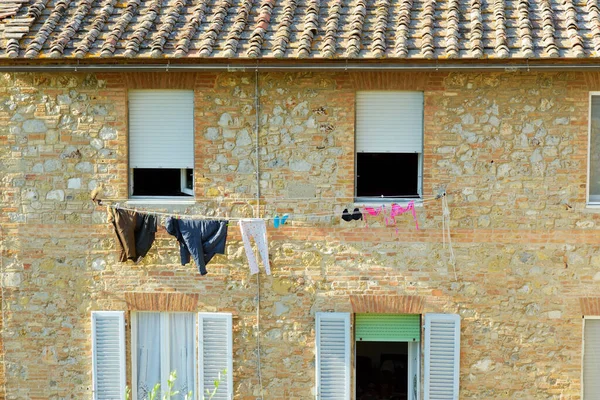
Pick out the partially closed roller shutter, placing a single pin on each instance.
(161, 129)
(388, 327)
(389, 122)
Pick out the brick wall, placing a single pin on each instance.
(510, 149)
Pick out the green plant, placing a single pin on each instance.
(154, 393)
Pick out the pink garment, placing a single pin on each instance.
(397, 209)
(373, 212)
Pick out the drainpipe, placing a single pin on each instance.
(316, 66)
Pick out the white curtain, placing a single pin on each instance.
(148, 353)
(182, 352)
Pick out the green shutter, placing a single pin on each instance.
(388, 327)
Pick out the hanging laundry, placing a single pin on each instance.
(372, 211)
(257, 229)
(279, 221)
(135, 232)
(398, 210)
(356, 215)
(201, 239)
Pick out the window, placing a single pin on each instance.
(591, 358)
(197, 346)
(594, 150)
(161, 343)
(388, 353)
(161, 142)
(389, 144)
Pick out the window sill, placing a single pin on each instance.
(161, 201)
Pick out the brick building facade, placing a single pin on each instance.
(510, 150)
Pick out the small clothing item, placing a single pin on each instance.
(280, 221)
(398, 210)
(201, 239)
(257, 229)
(135, 232)
(356, 215)
(372, 211)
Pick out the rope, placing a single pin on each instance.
(446, 233)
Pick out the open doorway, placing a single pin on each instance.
(387, 356)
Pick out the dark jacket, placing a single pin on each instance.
(135, 233)
(200, 238)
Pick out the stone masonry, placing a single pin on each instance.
(510, 149)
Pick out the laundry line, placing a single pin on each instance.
(185, 200)
(226, 217)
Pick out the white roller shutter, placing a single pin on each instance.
(442, 356)
(389, 122)
(161, 129)
(215, 354)
(108, 355)
(333, 356)
(591, 359)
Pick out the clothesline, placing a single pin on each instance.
(225, 217)
(282, 198)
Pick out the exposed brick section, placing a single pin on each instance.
(387, 304)
(162, 80)
(590, 305)
(389, 80)
(137, 301)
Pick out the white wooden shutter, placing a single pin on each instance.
(215, 354)
(333, 356)
(442, 356)
(161, 129)
(108, 355)
(591, 359)
(389, 122)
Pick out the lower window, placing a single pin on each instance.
(197, 347)
(163, 343)
(387, 356)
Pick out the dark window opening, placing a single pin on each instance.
(381, 370)
(162, 181)
(387, 174)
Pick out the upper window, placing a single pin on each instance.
(161, 142)
(591, 358)
(594, 148)
(389, 144)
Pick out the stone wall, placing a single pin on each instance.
(510, 149)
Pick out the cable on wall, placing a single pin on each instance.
(257, 215)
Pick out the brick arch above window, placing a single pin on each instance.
(171, 301)
(396, 80)
(384, 304)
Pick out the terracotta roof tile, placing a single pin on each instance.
(95, 28)
(329, 44)
(284, 29)
(118, 28)
(190, 28)
(290, 29)
(257, 37)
